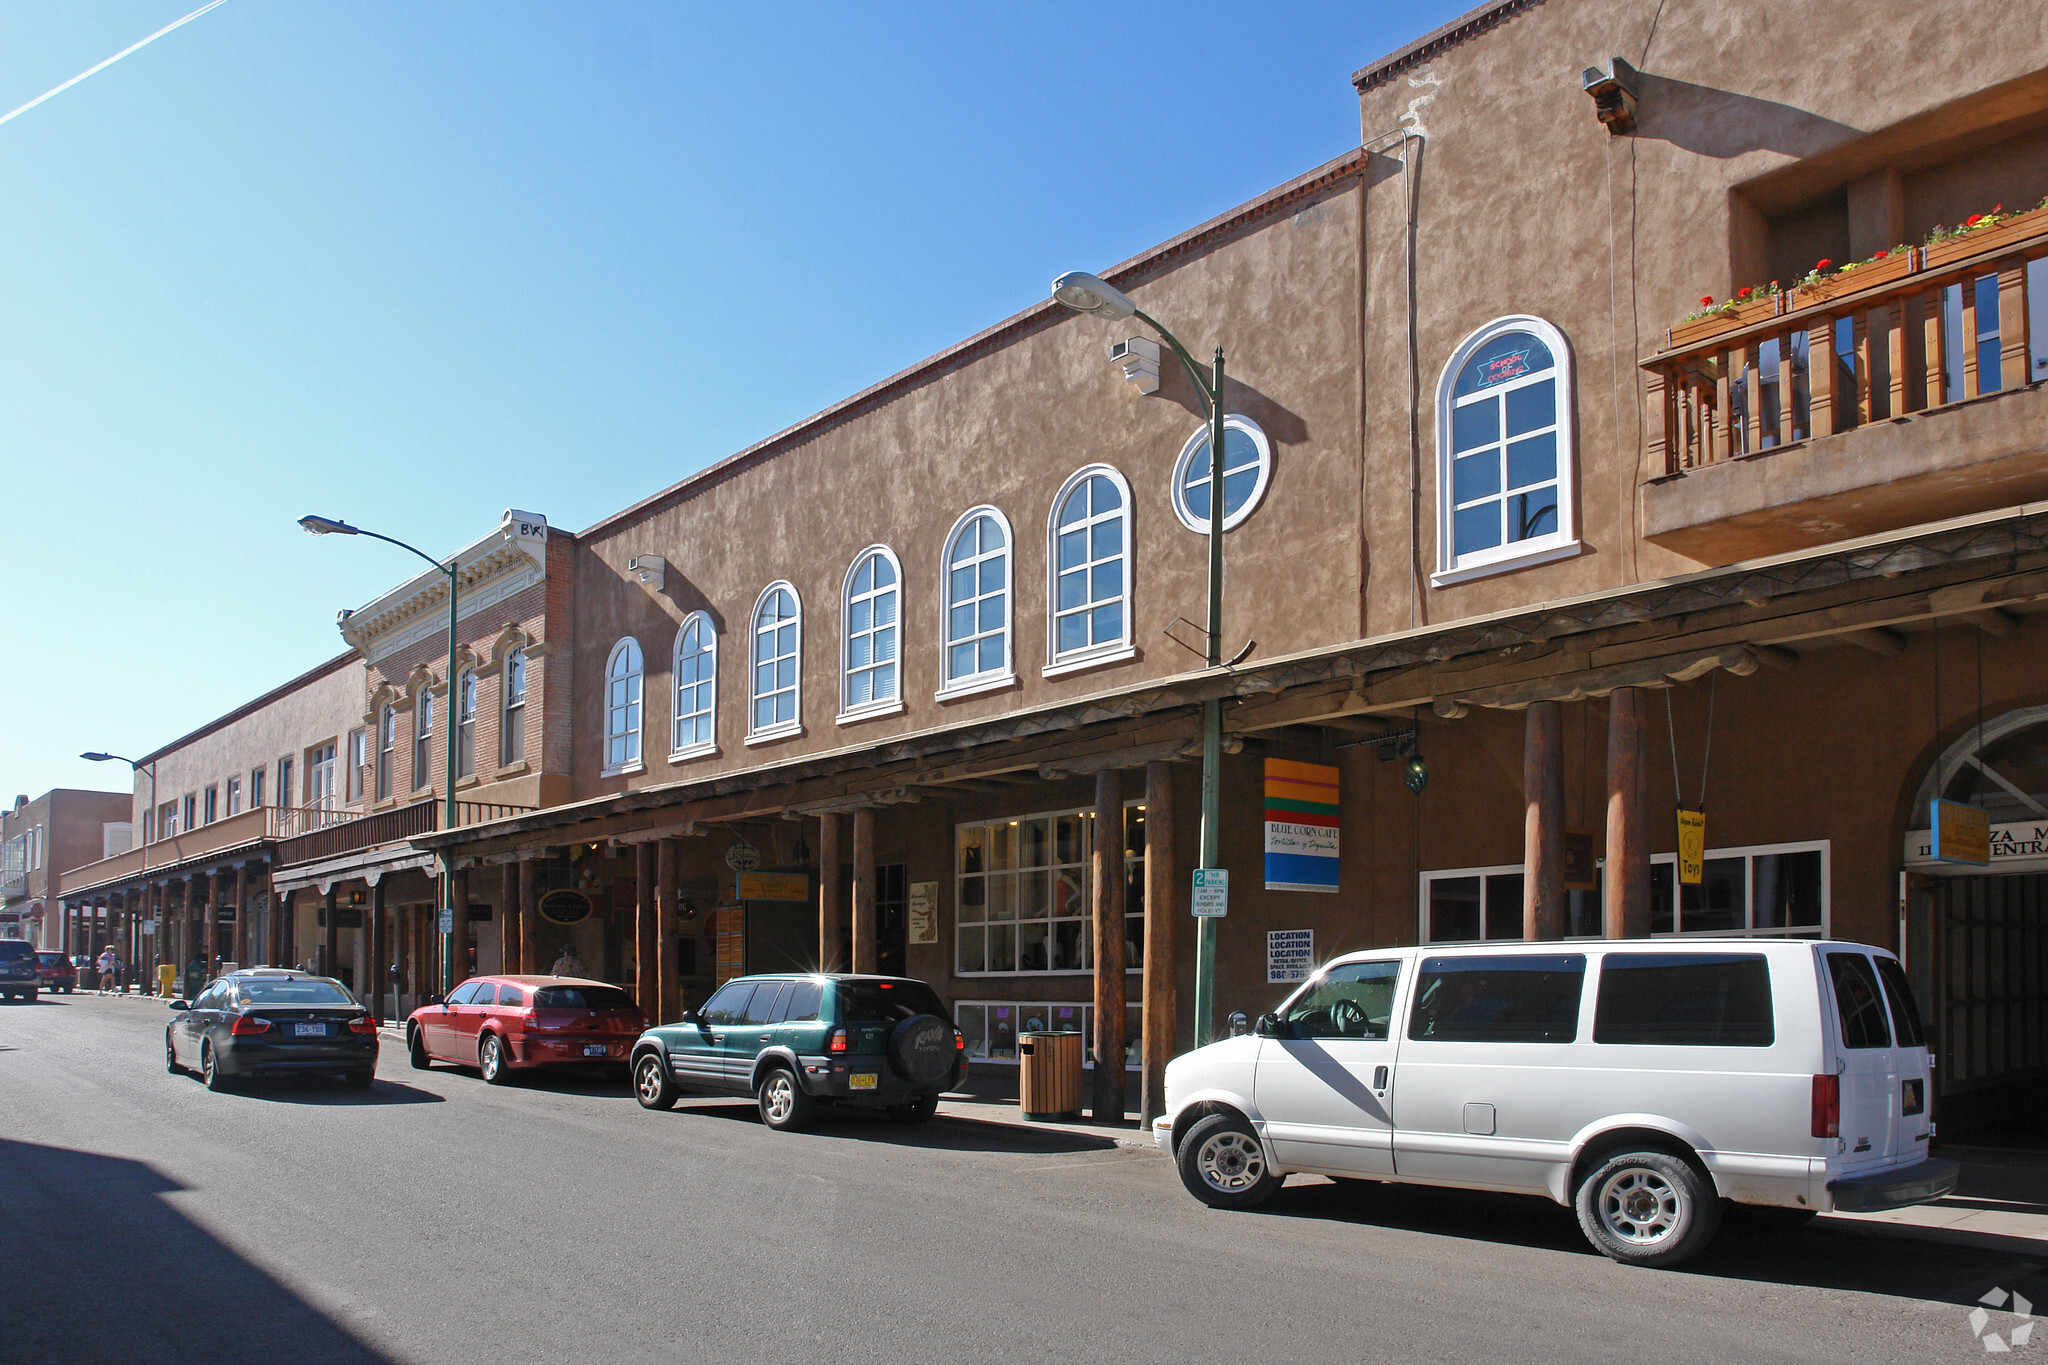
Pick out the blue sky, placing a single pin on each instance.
(410, 264)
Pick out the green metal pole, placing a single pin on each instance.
(1212, 721)
(449, 719)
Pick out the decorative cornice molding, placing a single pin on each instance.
(501, 564)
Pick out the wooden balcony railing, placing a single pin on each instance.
(1935, 326)
(255, 825)
(386, 827)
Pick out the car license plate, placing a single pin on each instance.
(309, 1030)
(863, 1080)
(593, 1050)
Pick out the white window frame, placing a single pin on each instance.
(795, 724)
(387, 751)
(234, 795)
(1087, 917)
(256, 787)
(1092, 655)
(1177, 491)
(1559, 544)
(634, 710)
(512, 709)
(891, 705)
(358, 760)
(1132, 1036)
(708, 636)
(1430, 875)
(466, 704)
(1005, 674)
(422, 738)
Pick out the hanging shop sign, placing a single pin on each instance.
(1692, 847)
(564, 905)
(1212, 893)
(1958, 833)
(1290, 955)
(1301, 826)
(1581, 866)
(923, 912)
(743, 857)
(2023, 843)
(772, 886)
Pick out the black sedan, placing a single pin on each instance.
(269, 1021)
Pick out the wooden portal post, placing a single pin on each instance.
(210, 931)
(238, 929)
(1109, 946)
(1161, 1023)
(460, 946)
(864, 945)
(510, 930)
(380, 950)
(646, 933)
(831, 905)
(529, 913)
(1627, 891)
(1543, 898)
(668, 910)
(330, 942)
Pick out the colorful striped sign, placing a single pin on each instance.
(1301, 826)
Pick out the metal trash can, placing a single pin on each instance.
(1049, 1075)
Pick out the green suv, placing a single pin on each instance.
(796, 1042)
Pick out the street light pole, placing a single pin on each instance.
(327, 526)
(147, 823)
(1085, 293)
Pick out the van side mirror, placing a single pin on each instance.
(1269, 1026)
(181, 1004)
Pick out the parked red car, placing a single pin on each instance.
(56, 973)
(501, 1023)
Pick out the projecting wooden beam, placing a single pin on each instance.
(1887, 644)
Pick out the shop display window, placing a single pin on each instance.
(991, 1026)
(1023, 892)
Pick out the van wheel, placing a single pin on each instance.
(420, 1060)
(1647, 1208)
(651, 1083)
(1223, 1164)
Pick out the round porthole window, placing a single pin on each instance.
(1247, 465)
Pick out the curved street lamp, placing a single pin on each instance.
(1085, 293)
(150, 773)
(328, 526)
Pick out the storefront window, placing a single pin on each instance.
(992, 1026)
(1023, 893)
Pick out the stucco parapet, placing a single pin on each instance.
(1468, 25)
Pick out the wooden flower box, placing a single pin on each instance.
(2012, 231)
(1896, 266)
(1699, 329)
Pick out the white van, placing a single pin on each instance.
(1640, 1082)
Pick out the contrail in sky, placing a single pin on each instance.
(179, 23)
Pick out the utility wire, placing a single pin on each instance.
(94, 70)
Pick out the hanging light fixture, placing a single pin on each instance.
(1415, 773)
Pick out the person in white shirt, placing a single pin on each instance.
(568, 964)
(110, 970)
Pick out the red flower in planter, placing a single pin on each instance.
(1742, 293)
(1706, 300)
(1973, 220)
(1824, 264)
(1998, 208)
(1880, 255)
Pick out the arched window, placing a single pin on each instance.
(1247, 468)
(777, 664)
(696, 680)
(978, 602)
(871, 671)
(1090, 569)
(512, 705)
(465, 724)
(1504, 451)
(387, 750)
(622, 677)
(422, 741)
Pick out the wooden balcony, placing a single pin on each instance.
(263, 824)
(385, 827)
(1906, 392)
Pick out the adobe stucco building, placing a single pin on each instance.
(1527, 547)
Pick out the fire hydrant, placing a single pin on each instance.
(166, 980)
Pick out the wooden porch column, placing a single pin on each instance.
(380, 951)
(1109, 946)
(1627, 889)
(831, 905)
(210, 933)
(460, 947)
(509, 935)
(237, 930)
(646, 936)
(864, 945)
(284, 922)
(330, 943)
(668, 975)
(529, 912)
(1161, 1025)
(1543, 898)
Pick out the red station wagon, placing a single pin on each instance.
(498, 1023)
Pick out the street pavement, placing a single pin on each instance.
(435, 1219)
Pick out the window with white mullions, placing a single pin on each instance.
(777, 646)
(696, 681)
(512, 723)
(622, 705)
(1090, 533)
(422, 745)
(1504, 436)
(465, 724)
(872, 594)
(978, 598)
(387, 756)
(1247, 464)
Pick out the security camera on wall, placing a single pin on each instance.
(1140, 359)
(651, 570)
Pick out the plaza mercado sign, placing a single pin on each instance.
(2021, 846)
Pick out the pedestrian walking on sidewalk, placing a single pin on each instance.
(110, 970)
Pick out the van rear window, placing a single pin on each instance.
(1684, 1000)
(1857, 1001)
(1518, 999)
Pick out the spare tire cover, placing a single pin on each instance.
(921, 1049)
